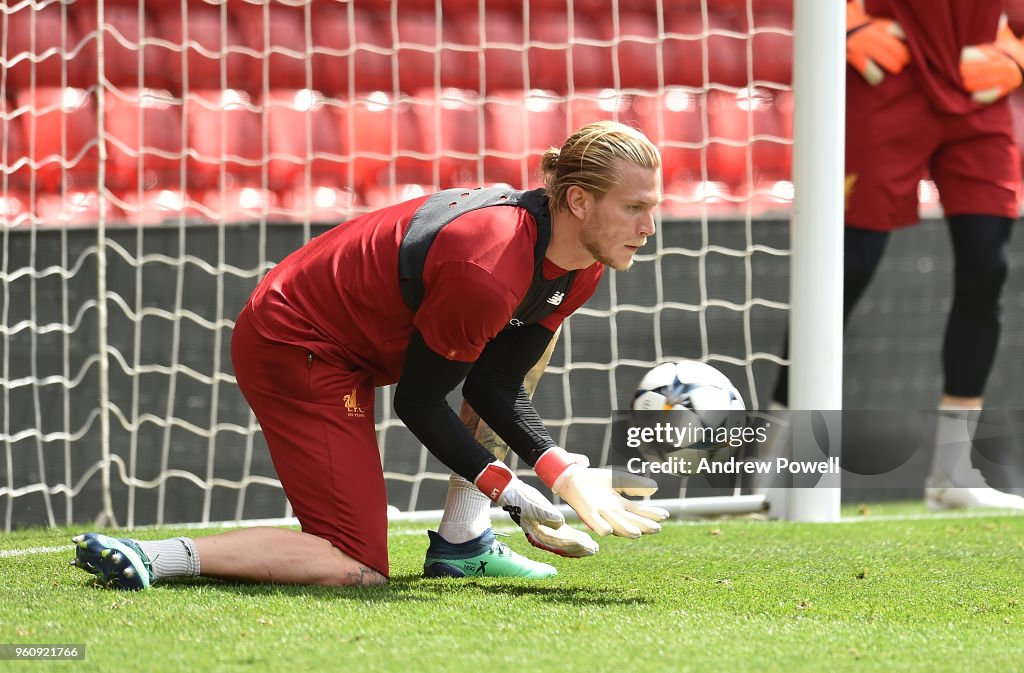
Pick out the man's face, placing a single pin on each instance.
(615, 226)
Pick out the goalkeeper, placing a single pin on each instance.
(460, 285)
(926, 95)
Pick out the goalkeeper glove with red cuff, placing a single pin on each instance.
(874, 46)
(595, 495)
(519, 499)
(992, 70)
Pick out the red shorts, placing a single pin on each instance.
(895, 138)
(318, 422)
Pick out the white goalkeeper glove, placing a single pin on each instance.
(519, 499)
(564, 540)
(595, 495)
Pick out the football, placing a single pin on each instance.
(704, 410)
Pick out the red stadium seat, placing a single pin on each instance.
(416, 48)
(123, 65)
(37, 44)
(335, 52)
(521, 125)
(205, 51)
(15, 209)
(381, 132)
(77, 208)
(729, 118)
(317, 203)
(550, 49)
(305, 141)
(225, 138)
(449, 132)
(239, 204)
(277, 34)
(144, 139)
(674, 121)
(160, 206)
(591, 105)
(684, 50)
(503, 66)
(62, 136)
(637, 50)
(13, 151)
(772, 49)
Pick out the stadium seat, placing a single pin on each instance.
(317, 203)
(277, 34)
(42, 31)
(684, 51)
(225, 137)
(144, 139)
(61, 135)
(728, 119)
(549, 54)
(204, 26)
(637, 49)
(591, 105)
(75, 208)
(121, 63)
(15, 209)
(416, 49)
(370, 66)
(305, 140)
(503, 66)
(13, 151)
(380, 131)
(674, 122)
(521, 125)
(239, 204)
(772, 51)
(160, 206)
(448, 127)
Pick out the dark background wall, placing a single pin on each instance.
(164, 369)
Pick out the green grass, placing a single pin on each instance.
(878, 594)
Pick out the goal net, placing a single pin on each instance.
(159, 156)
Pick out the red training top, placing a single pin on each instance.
(936, 31)
(338, 295)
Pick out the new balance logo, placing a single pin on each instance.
(556, 298)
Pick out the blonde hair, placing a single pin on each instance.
(588, 159)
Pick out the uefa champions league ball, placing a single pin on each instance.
(705, 411)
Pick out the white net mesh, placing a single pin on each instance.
(158, 157)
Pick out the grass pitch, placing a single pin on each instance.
(876, 593)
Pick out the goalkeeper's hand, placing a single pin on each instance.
(564, 540)
(874, 46)
(595, 495)
(517, 497)
(992, 70)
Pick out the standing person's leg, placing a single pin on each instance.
(318, 422)
(980, 247)
(978, 175)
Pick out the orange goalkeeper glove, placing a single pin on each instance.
(992, 70)
(874, 45)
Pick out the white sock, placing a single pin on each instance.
(954, 432)
(176, 557)
(467, 512)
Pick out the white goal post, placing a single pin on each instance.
(159, 156)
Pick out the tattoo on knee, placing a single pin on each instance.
(365, 576)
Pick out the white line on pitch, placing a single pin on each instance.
(926, 516)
